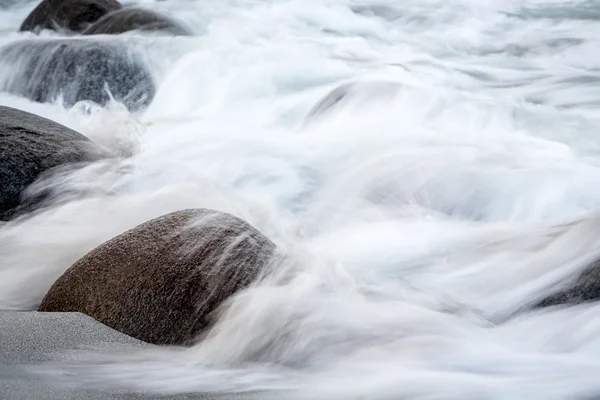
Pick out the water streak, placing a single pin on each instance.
(420, 226)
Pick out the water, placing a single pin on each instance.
(421, 221)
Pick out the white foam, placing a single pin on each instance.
(417, 228)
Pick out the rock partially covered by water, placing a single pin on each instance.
(29, 147)
(76, 69)
(357, 92)
(586, 288)
(73, 15)
(162, 281)
(135, 18)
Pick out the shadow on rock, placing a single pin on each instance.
(163, 281)
(75, 70)
(31, 146)
(73, 15)
(129, 19)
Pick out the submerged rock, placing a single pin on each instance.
(76, 69)
(73, 15)
(129, 19)
(383, 11)
(586, 288)
(162, 281)
(355, 91)
(29, 147)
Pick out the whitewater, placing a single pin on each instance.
(421, 219)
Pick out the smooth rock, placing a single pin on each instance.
(163, 281)
(31, 146)
(135, 18)
(28, 340)
(76, 69)
(73, 15)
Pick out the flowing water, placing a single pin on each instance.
(421, 219)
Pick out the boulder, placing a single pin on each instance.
(76, 69)
(29, 147)
(135, 18)
(73, 15)
(163, 281)
(585, 288)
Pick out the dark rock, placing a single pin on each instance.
(586, 288)
(163, 281)
(29, 147)
(76, 69)
(129, 19)
(74, 15)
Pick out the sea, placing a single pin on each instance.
(422, 217)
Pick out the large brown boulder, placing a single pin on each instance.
(32, 146)
(73, 15)
(162, 281)
(136, 18)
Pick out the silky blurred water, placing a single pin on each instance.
(421, 217)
